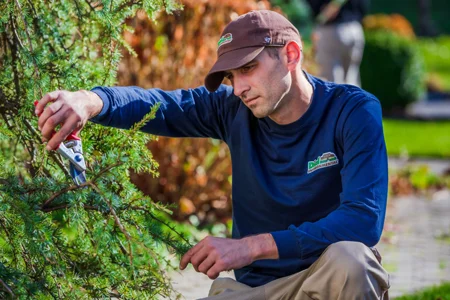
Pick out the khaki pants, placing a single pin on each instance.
(344, 271)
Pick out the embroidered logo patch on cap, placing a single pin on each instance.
(225, 39)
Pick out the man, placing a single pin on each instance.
(339, 38)
(308, 157)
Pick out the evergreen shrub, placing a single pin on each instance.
(103, 239)
(392, 69)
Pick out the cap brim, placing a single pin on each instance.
(229, 61)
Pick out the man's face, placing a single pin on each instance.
(262, 84)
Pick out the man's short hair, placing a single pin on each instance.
(274, 52)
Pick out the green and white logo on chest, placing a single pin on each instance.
(325, 160)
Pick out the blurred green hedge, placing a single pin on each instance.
(392, 69)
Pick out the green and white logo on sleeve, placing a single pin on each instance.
(225, 39)
(327, 159)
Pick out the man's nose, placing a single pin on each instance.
(241, 87)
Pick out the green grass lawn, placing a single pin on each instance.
(420, 138)
(441, 292)
(417, 138)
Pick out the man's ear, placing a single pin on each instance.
(294, 55)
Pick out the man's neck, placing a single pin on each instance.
(296, 102)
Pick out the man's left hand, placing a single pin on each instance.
(213, 255)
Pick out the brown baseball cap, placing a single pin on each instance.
(244, 38)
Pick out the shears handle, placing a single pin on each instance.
(73, 136)
(72, 150)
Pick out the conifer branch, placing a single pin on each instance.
(90, 5)
(8, 234)
(67, 205)
(99, 174)
(54, 250)
(161, 221)
(127, 4)
(25, 25)
(27, 259)
(36, 68)
(16, 80)
(75, 187)
(7, 288)
(16, 35)
(116, 219)
(14, 51)
(63, 191)
(53, 208)
(161, 237)
(52, 154)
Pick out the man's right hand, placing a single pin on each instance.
(70, 110)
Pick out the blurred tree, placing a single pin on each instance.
(103, 238)
(392, 68)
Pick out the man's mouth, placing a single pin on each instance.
(250, 100)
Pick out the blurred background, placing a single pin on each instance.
(406, 64)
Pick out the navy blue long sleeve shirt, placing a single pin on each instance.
(319, 180)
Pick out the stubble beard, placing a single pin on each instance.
(262, 111)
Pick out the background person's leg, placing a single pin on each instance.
(328, 50)
(352, 40)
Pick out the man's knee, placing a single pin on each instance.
(352, 258)
(220, 285)
(224, 284)
(355, 263)
(347, 270)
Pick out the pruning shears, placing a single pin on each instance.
(72, 150)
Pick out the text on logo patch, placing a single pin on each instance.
(225, 39)
(325, 160)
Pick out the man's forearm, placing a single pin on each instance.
(262, 246)
(95, 103)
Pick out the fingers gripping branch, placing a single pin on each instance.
(69, 110)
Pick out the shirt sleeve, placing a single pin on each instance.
(182, 113)
(360, 215)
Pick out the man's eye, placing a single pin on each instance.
(246, 69)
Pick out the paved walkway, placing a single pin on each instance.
(416, 242)
(429, 110)
(436, 166)
(435, 106)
